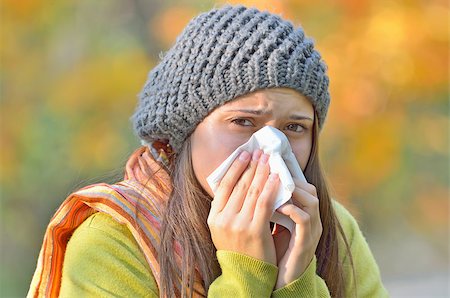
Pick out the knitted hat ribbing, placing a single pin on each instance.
(220, 55)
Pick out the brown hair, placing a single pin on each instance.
(185, 220)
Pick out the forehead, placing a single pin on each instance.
(274, 99)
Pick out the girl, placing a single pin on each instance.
(163, 232)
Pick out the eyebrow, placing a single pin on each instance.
(268, 112)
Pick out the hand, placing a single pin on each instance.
(295, 252)
(239, 219)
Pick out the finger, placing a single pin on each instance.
(308, 187)
(257, 185)
(239, 192)
(307, 203)
(300, 216)
(265, 202)
(228, 182)
(295, 213)
(301, 219)
(305, 200)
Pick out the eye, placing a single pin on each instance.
(242, 122)
(295, 127)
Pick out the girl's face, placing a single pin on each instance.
(232, 124)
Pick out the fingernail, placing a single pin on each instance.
(264, 158)
(256, 155)
(244, 156)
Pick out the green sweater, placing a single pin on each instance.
(103, 259)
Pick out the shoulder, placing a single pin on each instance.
(347, 221)
(102, 232)
(361, 264)
(354, 237)
(102, 223)
(103, 254)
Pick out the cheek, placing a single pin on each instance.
(210, 147)
(302, 152)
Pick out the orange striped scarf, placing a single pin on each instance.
(125, 202)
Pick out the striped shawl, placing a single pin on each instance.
(132, 202)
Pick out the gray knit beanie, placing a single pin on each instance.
(220, 55)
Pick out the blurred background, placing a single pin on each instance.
(71, 72)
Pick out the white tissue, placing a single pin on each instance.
(282, 161)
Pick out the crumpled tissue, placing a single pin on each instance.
(281, 161)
